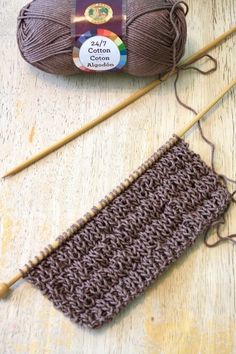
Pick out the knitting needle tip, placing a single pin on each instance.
(13, 171)
(6, 175)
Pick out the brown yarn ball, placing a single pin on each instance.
(44, 36)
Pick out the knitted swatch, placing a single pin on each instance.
(120, 251)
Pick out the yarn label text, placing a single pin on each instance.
(93, 57)
(101, 50)
(98, 30)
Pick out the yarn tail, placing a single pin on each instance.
(225, 179)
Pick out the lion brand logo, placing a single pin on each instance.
(98, 13)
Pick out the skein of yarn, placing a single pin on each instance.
(155, 36)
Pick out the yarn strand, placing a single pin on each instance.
(224, 178)
(176, 31)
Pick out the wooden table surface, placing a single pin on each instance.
(191, 309)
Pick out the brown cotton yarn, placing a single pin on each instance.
(155, 39)
(118, 249)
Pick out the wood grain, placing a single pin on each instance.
(189, 309)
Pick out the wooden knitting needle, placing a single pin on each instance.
(132, 98)
(5, 287)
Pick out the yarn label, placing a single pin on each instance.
(97, 30)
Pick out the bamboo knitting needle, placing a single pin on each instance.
(132, 98)
(5, 287)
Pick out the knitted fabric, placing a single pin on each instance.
(116, 255)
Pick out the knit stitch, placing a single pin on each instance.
(116, 255)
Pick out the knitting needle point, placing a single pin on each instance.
(132, 98)
(5, 287)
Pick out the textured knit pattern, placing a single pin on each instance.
(127, 245)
